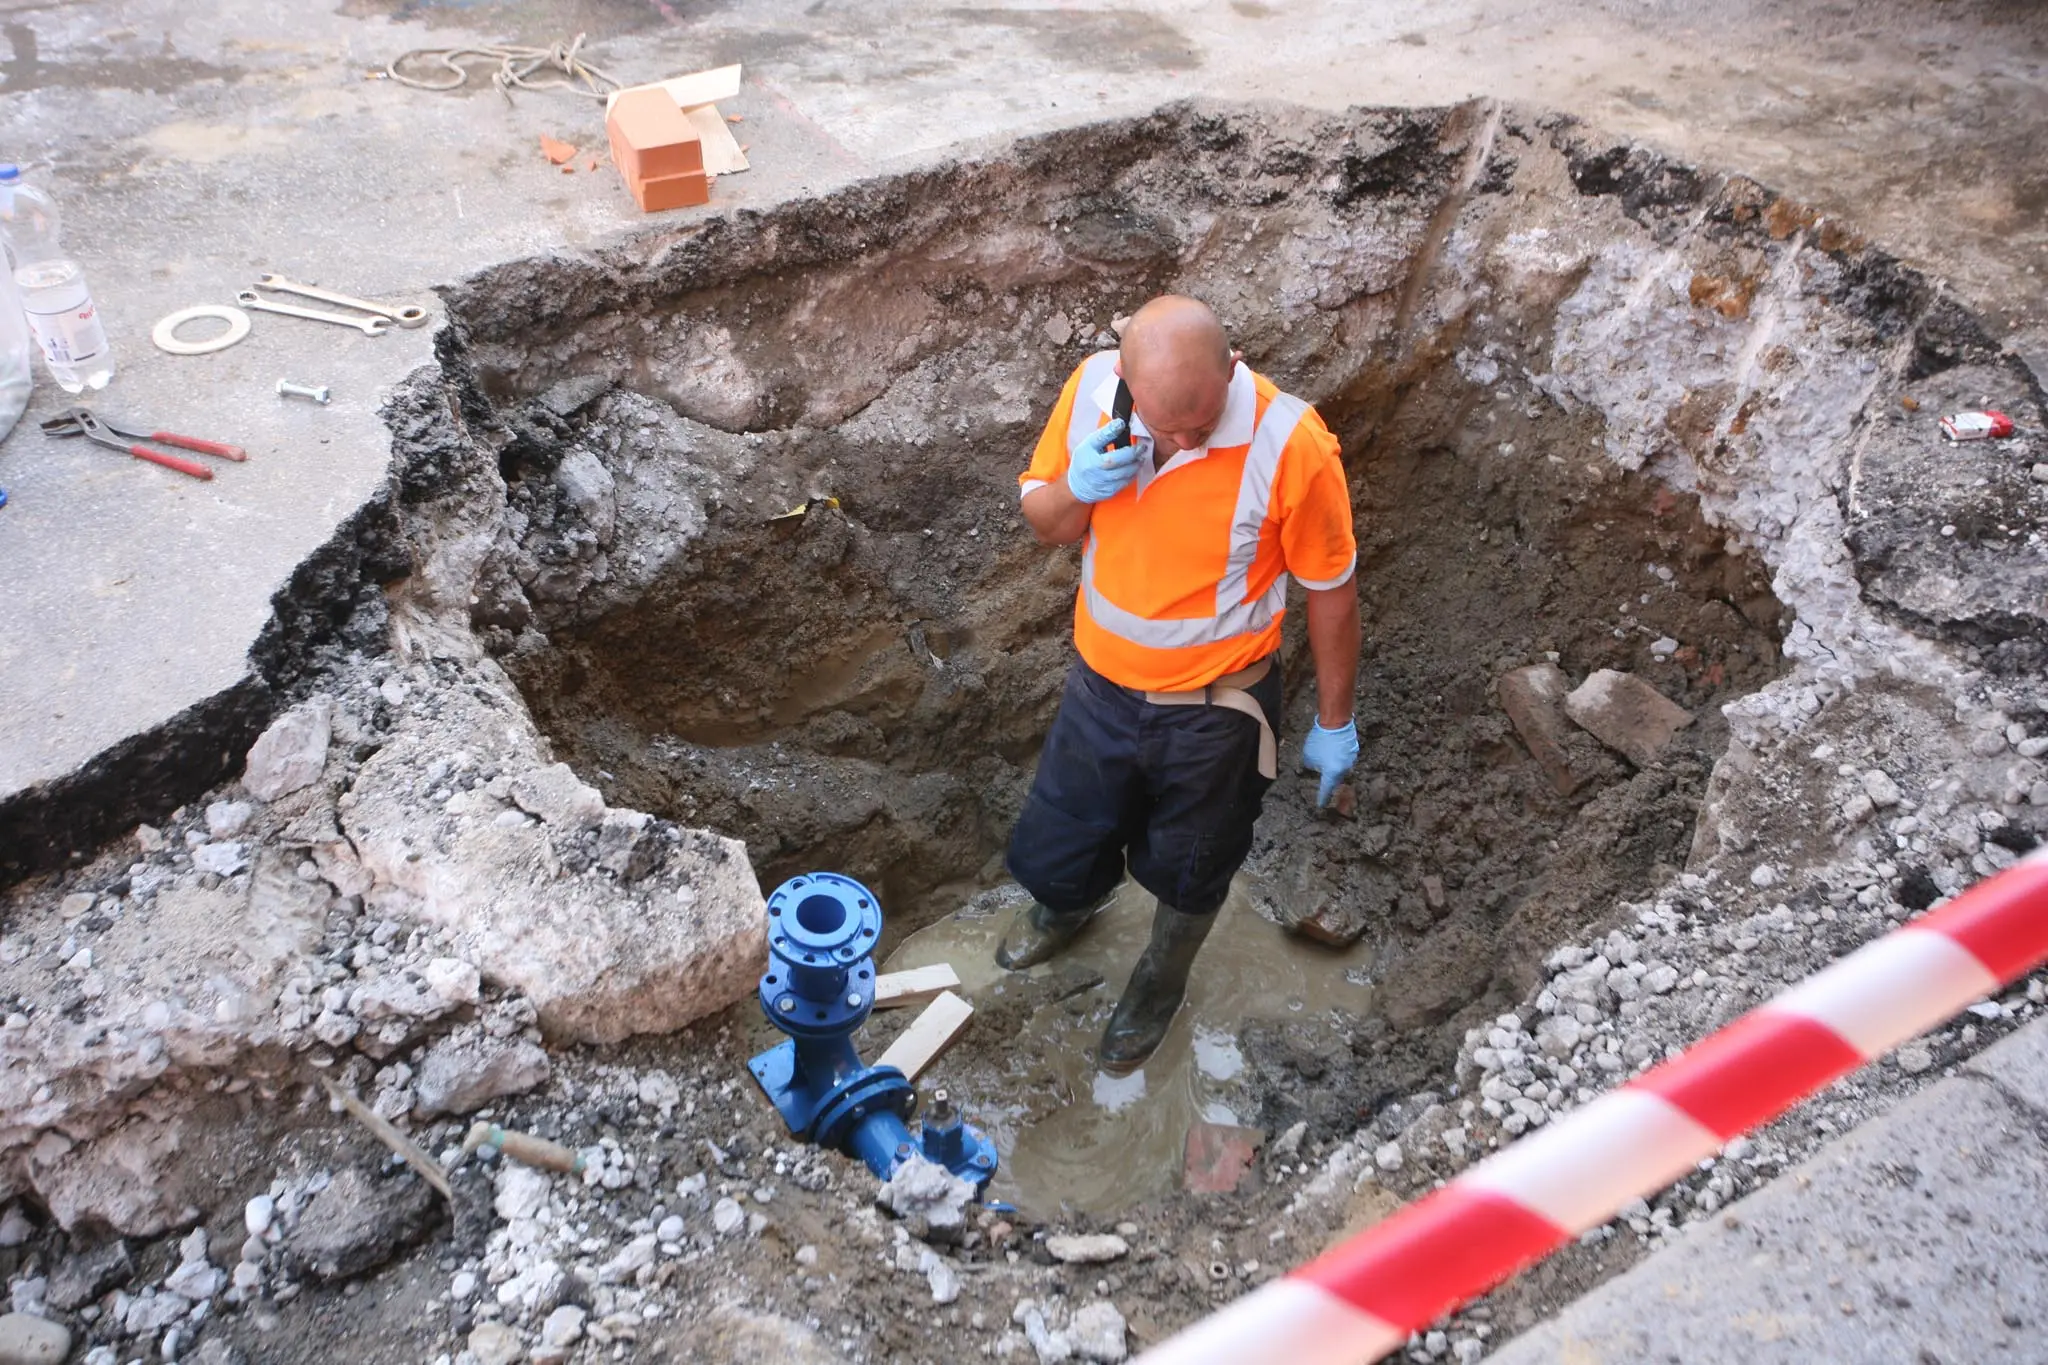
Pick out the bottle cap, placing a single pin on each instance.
(9, 173)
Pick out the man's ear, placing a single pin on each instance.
(1235, 357)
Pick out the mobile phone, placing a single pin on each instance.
(1120, 408)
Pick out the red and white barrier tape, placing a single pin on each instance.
(1360, 1300)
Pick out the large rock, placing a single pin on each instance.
(466, 1071)
(358, 1223)
(26, 1339)
(134, 1180)
(85, 1275)
(600, 956)
(1627, 715)
(1534, 697)
(291, 753)
(199, 972)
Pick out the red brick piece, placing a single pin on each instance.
(672, 191)
(651, 137)
(1627, 715)
(1216, 1157)
(1534, 697)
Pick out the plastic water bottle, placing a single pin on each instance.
(17, 373)
(60, 309)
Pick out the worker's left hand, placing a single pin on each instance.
(1333, 753)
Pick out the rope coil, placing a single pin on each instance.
(516, 66)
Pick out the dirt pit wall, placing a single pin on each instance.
(1599, 412)
(760, 567)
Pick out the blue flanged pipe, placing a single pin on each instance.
(819, 988)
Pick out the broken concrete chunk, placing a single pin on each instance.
(225, 819)
(223, 860)
(1087, 1249)
(1534, 699)
(924, 1189)
(558, 796)
(136, 1180)
(455, 981)
(495, 1344)
(1879, 787)
(461, 1074)
(84, 1276)
(521, 1193)
(358, 1223)
(15, 1227)
(1097, 1332)
(1627, 715)
(587, 486)
(291, 753)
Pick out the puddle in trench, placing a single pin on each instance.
(1072, 1137)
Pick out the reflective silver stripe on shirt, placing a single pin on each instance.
(1243, 618)
(1234, 616)
(1255, 494)
(1085, 417)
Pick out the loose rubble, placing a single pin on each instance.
(451, 905)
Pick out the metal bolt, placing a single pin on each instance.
(786, 1005)
(316, 392)
(853, 1001)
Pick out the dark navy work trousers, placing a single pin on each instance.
(1172, 792)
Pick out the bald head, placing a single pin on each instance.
(1178, 364)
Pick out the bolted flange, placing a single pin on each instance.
(819, 988)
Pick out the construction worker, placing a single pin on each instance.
(1194, 510)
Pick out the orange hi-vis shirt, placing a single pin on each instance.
(1184, 572)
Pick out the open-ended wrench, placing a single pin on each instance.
(408, 315)
(375, 326)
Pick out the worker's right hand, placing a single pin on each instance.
(1094, 471)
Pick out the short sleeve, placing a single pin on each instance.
(1316, 539)
(1049, 460)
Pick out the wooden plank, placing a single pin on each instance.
(937, 1029)
(917, 986)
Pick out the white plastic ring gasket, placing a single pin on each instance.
(165, 335)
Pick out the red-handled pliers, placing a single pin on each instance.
(82, 422)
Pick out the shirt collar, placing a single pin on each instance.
(1234, 428)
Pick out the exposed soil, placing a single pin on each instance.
(736, 518)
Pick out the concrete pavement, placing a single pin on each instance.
(1919, 1237)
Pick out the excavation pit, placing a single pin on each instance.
(724, 517)
(760, 570)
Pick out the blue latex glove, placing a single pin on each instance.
(1333, 753)
(1094, 471)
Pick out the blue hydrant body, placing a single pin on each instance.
(819, 989)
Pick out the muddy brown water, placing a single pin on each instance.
(1074, 1138)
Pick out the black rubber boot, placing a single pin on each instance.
(1157, 986)
(1039, 934)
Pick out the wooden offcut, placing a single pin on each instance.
(916, 986)
(927, 1039)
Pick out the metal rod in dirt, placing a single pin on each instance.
(1365, 1297)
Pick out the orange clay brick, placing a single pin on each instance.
(651, 137)
(672, 191)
